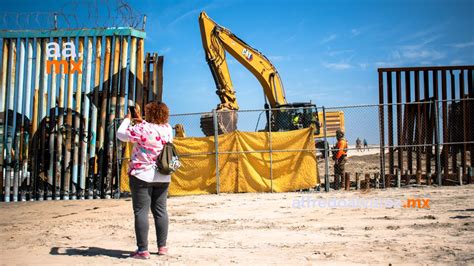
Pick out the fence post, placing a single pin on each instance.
(216, 148)
(367, 181)
(399, 177)
(460, 174)
(382, 133)
(437, 151)
(469, 175)
(55, 21)
(326, 155)
(347, 181)
(119, 158)
(357, 181)
(270, 146)
(377, 180)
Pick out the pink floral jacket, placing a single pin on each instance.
(149, 140)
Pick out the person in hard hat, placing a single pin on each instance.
(339, 156)
(298, 121)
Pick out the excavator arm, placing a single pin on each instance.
(216, 41)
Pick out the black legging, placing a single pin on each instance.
(144, 195)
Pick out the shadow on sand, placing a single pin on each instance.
(90, 252)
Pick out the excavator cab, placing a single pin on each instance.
(295, 116)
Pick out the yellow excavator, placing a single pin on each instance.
(283, 116)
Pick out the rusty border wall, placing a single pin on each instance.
(426, 122)
(57, 130)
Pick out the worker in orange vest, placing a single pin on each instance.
(339, 157)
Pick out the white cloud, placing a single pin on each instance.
(363, 66)
(278, 58)
(337, 66)
(426, 63)
(463, 45)
(289, 39)
(164, 50)
(386, 64)
(355, 32)
(457, 62)
(395, 55)
(415, 54)
(329, 38)
(185, 15)
(427, 32)
(339, 52)
(422, 51)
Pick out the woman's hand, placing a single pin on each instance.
(139, 112)
(137, 120)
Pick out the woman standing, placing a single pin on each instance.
(149, 188)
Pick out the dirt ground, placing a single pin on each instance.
(249, 229)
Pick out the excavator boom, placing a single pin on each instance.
(216, 41)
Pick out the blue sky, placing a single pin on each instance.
(325, 51)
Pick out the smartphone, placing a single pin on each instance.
(133, 111)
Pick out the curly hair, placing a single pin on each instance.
(157, 113)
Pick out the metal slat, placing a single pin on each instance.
(59, 185)
(27, 122)
(10, 130)
(103, 114)
(52, 135)
(112, 112)
(3, 100)
(76, 128)
(69, 148)
(83, 171)
(408, 122)
(390, 123)
(94, 113)
(18, 138)
(399, 120)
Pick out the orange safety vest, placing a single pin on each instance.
(342, 148)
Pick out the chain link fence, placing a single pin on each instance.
(389, 145)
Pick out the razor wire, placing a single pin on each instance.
(96, 14)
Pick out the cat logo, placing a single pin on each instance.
(248, 55)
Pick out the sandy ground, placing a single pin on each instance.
(248, 229)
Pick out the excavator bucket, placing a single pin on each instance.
(226, 122)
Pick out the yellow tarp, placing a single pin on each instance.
(244, 164)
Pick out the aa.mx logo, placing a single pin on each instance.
(68, 51)
(420, 203)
